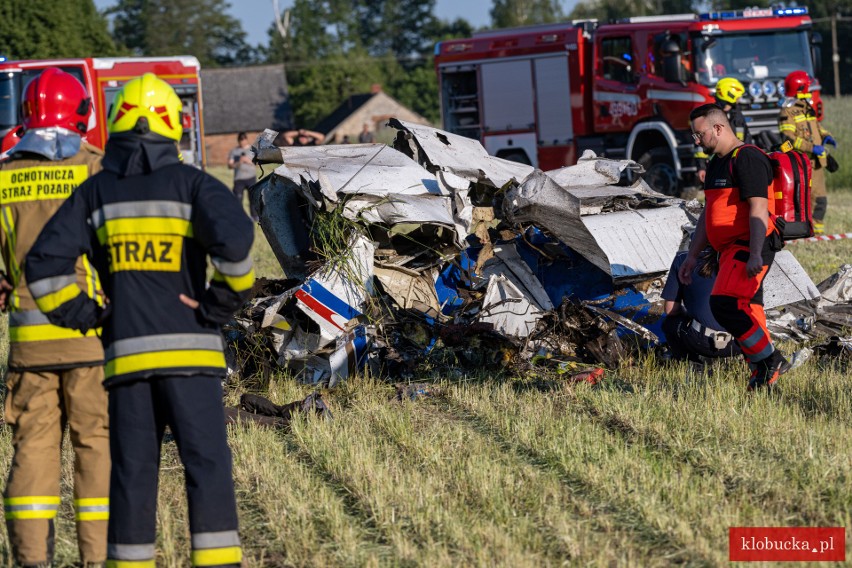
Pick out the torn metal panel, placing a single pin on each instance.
(507, 262)
(336, 293)
(393, 210)
(283, 224)
(438, 150)
(629, 245)
(508, 309)
(593, 171)
(366, 169)
(837, 288)
(787, 282)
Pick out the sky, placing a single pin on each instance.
(256, 15)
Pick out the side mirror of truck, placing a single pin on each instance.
(816, 51)
(672, 61)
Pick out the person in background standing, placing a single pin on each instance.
(241, 160)
(365, 137)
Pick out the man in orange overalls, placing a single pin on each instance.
(736, 223)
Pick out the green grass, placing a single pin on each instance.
(838, 121)
(649, 469)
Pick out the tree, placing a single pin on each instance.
(513, 13)
(338, 48)
(43, 29)
(401, 27)
(606, 10)
(171, 27)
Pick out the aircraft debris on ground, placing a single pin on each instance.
(432, 254)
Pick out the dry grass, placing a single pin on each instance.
(650, 469)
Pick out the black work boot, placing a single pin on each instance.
(767, 372)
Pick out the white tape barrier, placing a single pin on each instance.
(822, 238)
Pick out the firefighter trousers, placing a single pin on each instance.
(191, 406)
(38, 407)
(737, 301)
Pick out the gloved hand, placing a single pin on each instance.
(829, 141)
(819, 151)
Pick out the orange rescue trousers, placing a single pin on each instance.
(737, 302)
(38, 407)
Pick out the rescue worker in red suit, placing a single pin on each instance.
(149, 223)
(737, 224)
(55, 374)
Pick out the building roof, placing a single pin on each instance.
(240, 99)
(339, 114)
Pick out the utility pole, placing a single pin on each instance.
(283, 27)
(835, 56)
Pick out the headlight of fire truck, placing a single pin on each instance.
(755, 89)
(780, 86)
(769, 88)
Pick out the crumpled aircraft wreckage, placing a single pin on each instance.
(432, 254)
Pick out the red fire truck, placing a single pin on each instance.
(544, 94)
(103, 77)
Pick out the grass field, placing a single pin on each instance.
(649, 469)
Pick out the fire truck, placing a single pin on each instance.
(103, 77)
(543, 95)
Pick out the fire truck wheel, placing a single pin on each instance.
(659, 171)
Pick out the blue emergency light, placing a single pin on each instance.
(754, 13)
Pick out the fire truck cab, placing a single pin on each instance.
(103, 77)
(544, 94)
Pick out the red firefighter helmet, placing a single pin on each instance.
(56, 98)
(797, 84)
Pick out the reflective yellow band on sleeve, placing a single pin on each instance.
(236, 283)
(787, 128)
(163, 360)
(217, 556)
(50, 302)
(798, 143)
(800, 118)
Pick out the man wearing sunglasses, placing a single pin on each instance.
(736, 223)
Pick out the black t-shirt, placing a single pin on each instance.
(752, 173)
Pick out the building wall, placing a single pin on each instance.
(218, 146)
(376, 113)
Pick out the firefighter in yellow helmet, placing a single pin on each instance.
(151, 222)
(54, 374)
(798, 123)
(728, 93)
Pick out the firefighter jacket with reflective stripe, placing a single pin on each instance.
(798, 123)
(148, 223)
(32, 189)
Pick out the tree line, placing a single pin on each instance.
(334, 48)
